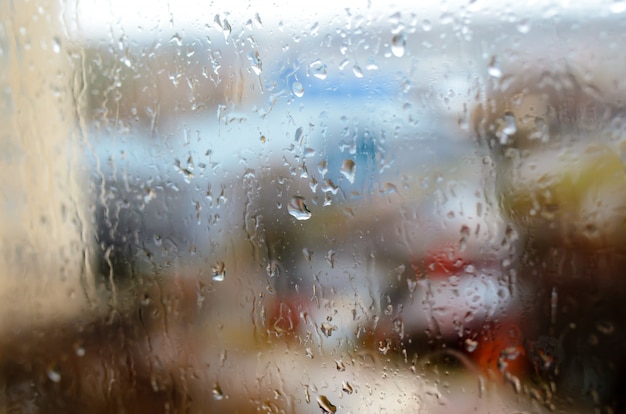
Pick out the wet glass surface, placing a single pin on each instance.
(251, 208)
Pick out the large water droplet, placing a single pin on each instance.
(494, 68)
(219, 271)
(297, 89)
(308, 254)
(218, 394)
(326, 405)
(358, 72)
(54, 375)
(226, 29)
(470, 345)
(348, 169)
(398, 44)
(298, 209)
(56, 45)
(320, 72)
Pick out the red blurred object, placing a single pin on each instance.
(498, 350)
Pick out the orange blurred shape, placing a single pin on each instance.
(499, 351)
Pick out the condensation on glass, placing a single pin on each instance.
(251, 208)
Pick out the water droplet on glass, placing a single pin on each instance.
(398, 44)
(298, 134)
(523, 26)
(320, 72)
(308, 254)
(348, 169)
(298, 209)
(227, 29)
(510, 127)
(297, 89)
(330, 258)
(340, 365)
(54, 375)
(357, 71)
(326, 405)
(327, 328)
(219, 271)
(494, 68)
(347, 387)
(56, 45)
(605, 327)
(218, 394)
(470, 345)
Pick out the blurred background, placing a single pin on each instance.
(256, 207)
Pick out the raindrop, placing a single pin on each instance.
(605, 327)
(398, 44)
(510, 127)
(298, 209)
(56, 45)
(54, 375)
(340, 365)
(219, 271)
(218, 394)
(80, 351)
(494, 68)
(330, 258)
(347, 387)
(322, 167)
(320, 72)
(298, 134)
(227, 29)
(326, 405)
(470, 345)
(348, 169)
(329, 186)
(358, 72)
(327, 328)
(308, 254)
(523, 26)
(297, 89)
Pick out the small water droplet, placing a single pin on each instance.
(340, 365)
(326, 405)
(330, 258)
(523, 26)
(218, 394)
(298, 134)
(348, 169)
(470, 345)
(320, 72)
(226, 29)
(510, 127)
(398, 44)
(605, 327)
(219, 271)
(56, 45)
(494, 68)
(357, 71)
(347, 387)
(327, 328)
(54, 375)
(308, 254)
(298, 209)
(297, 89)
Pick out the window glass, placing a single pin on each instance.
(264, 207)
